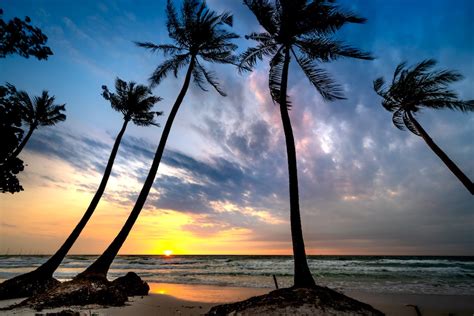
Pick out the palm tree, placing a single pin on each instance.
(301, 29)
(135, 103)
(418, 87)
(41, 111)
(198, 34)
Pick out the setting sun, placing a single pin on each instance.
(168, 253)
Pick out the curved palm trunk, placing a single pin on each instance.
(101, 266)
(302, 277)
(47, 269)
(448, 162)
(23, 142)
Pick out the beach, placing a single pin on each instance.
(191, 285)
(185, 299)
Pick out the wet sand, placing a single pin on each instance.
(186, 299)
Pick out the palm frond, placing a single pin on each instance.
(164, 68)
(397, 119)
(320, 79)
(134, 101)
(326, 50)
(275, 77)
(210, 78)
(249, 58)
(409, 124)
(167, 49)
(265, 13)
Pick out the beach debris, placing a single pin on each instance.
(275, 280)
(88, 290)
(297, 301)
(26, 285)
(417, 310)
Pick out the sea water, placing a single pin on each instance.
(377, 274)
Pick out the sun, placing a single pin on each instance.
(168, 253)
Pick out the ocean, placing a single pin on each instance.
(373, 274)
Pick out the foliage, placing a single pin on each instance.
(133, 101)
(305, 28)
(19, 37)
(197, 31)
(12, 133)
(418, 87)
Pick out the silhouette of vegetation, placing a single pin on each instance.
(135, 103)
(19, 37)
(19, 108)
(418, 87)
(12, 133)
(41, 111)
(302, 30)
(16, 37)
(198, 33)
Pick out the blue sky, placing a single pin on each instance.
(366, 187)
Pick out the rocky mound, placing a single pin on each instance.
(26, 285)
(298, 301)
(89, 290)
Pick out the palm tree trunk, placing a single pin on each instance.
(23, 142)
(448, 162)
(47, 269)
(101, 266)
(302, 276)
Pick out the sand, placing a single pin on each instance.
(185, 299)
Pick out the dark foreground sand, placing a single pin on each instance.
(184, 299)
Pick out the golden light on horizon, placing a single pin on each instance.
(168, 253)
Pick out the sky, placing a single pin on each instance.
(365, 186)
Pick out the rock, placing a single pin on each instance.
(131, 284)
(88, 290)
(297, 301)
(26, 285)
(79, 291)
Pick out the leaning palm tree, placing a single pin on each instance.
(41, 111)
(135, 103)
(198, 34)
(302, 30)
(418, 87)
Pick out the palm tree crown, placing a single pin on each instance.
(197, 32)
(133, 101)
(305, 29)
(41, 110)
(419, 87)
(301, 29)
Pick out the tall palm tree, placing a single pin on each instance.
(418, 87)
(41, 111)
(302, 30)
(135, 103)
(198, 34)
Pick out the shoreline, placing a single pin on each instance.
(188, 299)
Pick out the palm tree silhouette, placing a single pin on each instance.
(41, 111)
(418, 87)
(197, 33)
(135, 103)
(303, 30)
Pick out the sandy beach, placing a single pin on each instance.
(185, 299)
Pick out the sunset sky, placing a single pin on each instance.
(365, 186)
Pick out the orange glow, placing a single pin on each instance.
(205, 293)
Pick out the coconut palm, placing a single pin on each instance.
(198, 36)
(41, 111)
(418, 87)
(301, 30)
(135, 103)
